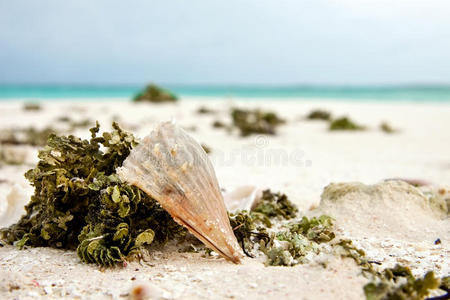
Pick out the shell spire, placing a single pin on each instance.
(171, 167)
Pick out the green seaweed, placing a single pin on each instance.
(287, 245)
(9, 155)
(344, 123)
(385, 127)
(155, 94)
(276, 205)
(347, 249)
(445, 283)
(73, 124)
(218, 124)
(32, 106)
(390, 283)
(315, 229)
(291, 247)
(80, 203)
(203, 110)
(255, 121)
(26, 136)
(249, 230)
(206, 148)
(319, 114)
(400, 283)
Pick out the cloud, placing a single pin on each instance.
(346, 41)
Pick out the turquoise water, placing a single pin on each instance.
(390, 93)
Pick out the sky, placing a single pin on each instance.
(342, 42)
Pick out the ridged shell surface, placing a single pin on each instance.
(170, 166)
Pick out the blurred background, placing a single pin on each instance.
(352, 49)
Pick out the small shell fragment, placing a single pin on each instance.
(184, 184)
(242, 198)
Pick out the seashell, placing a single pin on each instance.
(12, 207)
(171, 167)
(242, 198)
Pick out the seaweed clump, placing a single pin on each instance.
(26, 136)
(292, 245)
(12, 156)
(203, 110)
(400, 283)
(80, 203)
(347, 249)
(319, 114)
(31, 106)
(344, 123)
(75, 124)
(285, 245)
(255, 121)
(391, 283)
(385, 127)
(156, 94)
(206, 148)
(276, 205)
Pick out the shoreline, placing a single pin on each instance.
(259, 99)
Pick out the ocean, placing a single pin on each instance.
(363, 93)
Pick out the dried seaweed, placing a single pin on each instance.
(218, 124)
(292, 246)
(155, 94)
(276, 205)
(319, 114)
(26, 136)
(206, 148)
(74, 124)
(31, 106)
(390, 283)
(315, 229)
(11, 155)
(79, 202)
(347, 249)
(400, 283)
(344, 123)
(248, 230)
(287, 245)
(385, 127)
(203, 110)
(255, 121)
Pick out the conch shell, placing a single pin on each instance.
(171, 167)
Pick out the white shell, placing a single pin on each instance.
(12, 207)
(242, 198)
(170, 166)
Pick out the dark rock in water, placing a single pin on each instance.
(156, 94)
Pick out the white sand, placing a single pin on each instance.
(300, 161)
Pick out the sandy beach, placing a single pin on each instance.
(391, 221)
